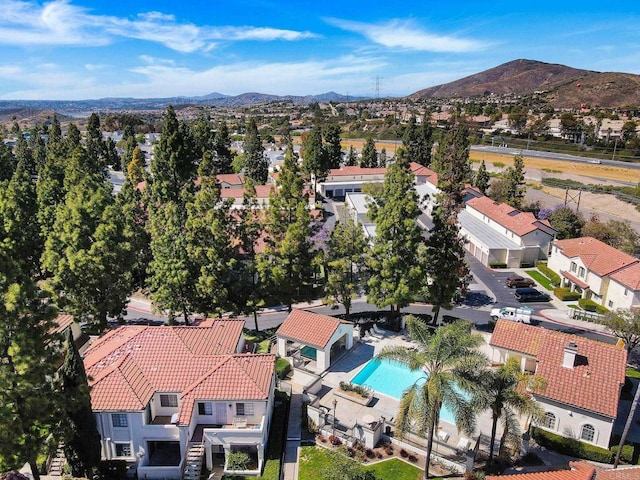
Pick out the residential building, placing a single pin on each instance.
(159, 393)
(598, 271)
(498, 233)
(584, 378)
(580, 470)
(357, 205)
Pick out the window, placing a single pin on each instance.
(123, 449)
(587, 433)
(119, 420)
(626, 292)
(610, 303)
(168, 400)
(573, 267)
(549, 421)
(205, 408)
(244, 409)
(581, 272)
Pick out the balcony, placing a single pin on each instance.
(240, 427)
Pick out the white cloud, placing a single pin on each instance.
(405, 35)
(60, 23)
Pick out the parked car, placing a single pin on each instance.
(516, 281)
(531, 295)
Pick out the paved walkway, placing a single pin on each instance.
(294, 433)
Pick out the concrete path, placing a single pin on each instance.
(294, 433)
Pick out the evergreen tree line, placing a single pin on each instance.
(67, 241)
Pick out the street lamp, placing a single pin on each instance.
(335, 404)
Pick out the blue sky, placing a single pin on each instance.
(87, 49)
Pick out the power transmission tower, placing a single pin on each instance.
(378, 78)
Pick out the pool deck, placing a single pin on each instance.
(349, 413)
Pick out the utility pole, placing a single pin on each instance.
(615, 146)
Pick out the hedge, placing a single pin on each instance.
(564, 294)
(627, 453)
(591, 306)
(553, 277)
(283, 367)
(498, 265)
(570, 446)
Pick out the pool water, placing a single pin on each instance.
(309, 352)
(393, 378)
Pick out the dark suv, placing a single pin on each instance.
(516, 281)
(531, 295)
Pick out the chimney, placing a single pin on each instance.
(569, 358)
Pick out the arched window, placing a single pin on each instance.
(587, 433)
(549, 421)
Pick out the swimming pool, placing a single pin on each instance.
(393, 378)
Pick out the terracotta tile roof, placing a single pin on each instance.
(621, 473)
(629, 276)
(129, 364)
(246, 377)
(592, 384)
(597, 256)
(230, 178)
(518, 222)
(574, 279)
(262, 191)
(517, 337)
(308, 328)
(355, 170)
(580, 471)
(62, 322)
(421, 170)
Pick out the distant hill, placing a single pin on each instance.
(213, 99)
(564, 87)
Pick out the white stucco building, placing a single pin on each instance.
(598, 271)
(584, 378)
(164, 394)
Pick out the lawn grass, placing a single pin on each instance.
(263, 346)
(540, 278)
(396, 469)
(314, 460)
(633, 373)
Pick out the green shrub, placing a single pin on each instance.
(553, 277)
(491, 325)
(283, 368)
(591, 306)
(570, 446)
(112, 470)
(626, 455)
(498, 164)
(564, 294)
(364, 392)
(498, 265)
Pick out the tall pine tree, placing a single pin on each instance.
(369, 157)
(256, 165)
(80, 436)
(395, 263)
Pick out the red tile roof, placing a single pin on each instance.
(129, 364)
(592, 384)
(62, 322)
(629, 276)
(597, 256)
(621, 473)
(518, 222)
(574, 279)
(230, 178)
(421, 170)
(308, 328)
(262, 191)
(580, 471)
(355, 170)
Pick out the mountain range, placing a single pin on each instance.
(560, 86)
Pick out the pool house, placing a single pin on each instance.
(313, 339)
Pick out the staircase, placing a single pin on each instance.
(57, 463)
(193, 463)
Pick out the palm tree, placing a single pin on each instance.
(451, 361)
(504, 393)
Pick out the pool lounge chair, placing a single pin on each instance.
(463, 445)
(443, 436)
(377, 331)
